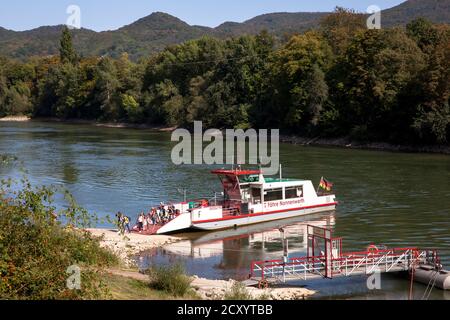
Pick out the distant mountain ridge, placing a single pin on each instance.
(154, 32)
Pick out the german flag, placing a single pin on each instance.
(325, 184)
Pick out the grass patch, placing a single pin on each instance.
(171, 280)
(124, 288)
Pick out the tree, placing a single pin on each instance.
(379, 68)
(66, 51)
(432, 122)
(317, 88)
(298, 84)
(131, 107)
(59, 93)
(423, 32)
(340, 27)
(106, 93)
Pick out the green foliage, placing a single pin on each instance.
(238, 292)
(298, 81)
(340, 27)
(67, 52)
(389, 85)
(423, 32)
(155, 32)
(171, 280)
(38, 244)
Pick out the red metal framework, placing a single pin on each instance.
(332, 247)
(236, 172)
(333, 262)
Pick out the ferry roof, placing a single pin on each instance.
(236, 172)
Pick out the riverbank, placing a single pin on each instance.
(15, 119)
(119, 125)
(340, 142)
(207, 289)
(350, 144)
(128, 246)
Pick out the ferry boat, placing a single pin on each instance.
(249, 198)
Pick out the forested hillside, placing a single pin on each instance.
(153, 33)
(342, 80)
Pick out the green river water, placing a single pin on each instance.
(395, 199)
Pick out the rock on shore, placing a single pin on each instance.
(217, 289)
(130, 245)
(15, 119)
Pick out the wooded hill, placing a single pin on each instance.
(158, 30)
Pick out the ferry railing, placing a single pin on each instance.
(432, 258)
(347, 264)
(230, 212)
(294, 267)
(218, 197)
(384, 260)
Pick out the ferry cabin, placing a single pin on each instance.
(248, 198)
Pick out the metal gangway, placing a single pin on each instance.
(332, 262)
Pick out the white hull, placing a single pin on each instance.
(184, 222)
(232, 223)
(248, 199)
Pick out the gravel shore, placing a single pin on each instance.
(132, 244)
(15, 119)
(129, 245)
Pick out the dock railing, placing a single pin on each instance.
(348, 264)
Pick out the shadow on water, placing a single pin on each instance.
(227, 254)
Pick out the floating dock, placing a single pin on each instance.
(330, 262)
(432, 277)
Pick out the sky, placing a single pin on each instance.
(101, 15)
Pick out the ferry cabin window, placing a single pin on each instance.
(256, 195)
(245, 192)
(273, 195)
(293, 192)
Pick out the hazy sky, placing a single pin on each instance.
(102, 15)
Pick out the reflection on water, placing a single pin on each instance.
(228, 254)
(396, 199)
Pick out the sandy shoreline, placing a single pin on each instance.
(89, 122)
(132, 244)
(15, 119)
(119, 125)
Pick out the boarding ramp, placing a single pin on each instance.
(332, 262)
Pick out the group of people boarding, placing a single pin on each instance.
(158, 216)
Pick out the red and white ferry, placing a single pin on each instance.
(249, 198)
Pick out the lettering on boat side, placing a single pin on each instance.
(231, 149)
(282, 203)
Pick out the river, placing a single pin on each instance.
(395, 199)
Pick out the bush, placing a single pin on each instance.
(238, 292)
(37, 249)
(171, 280)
